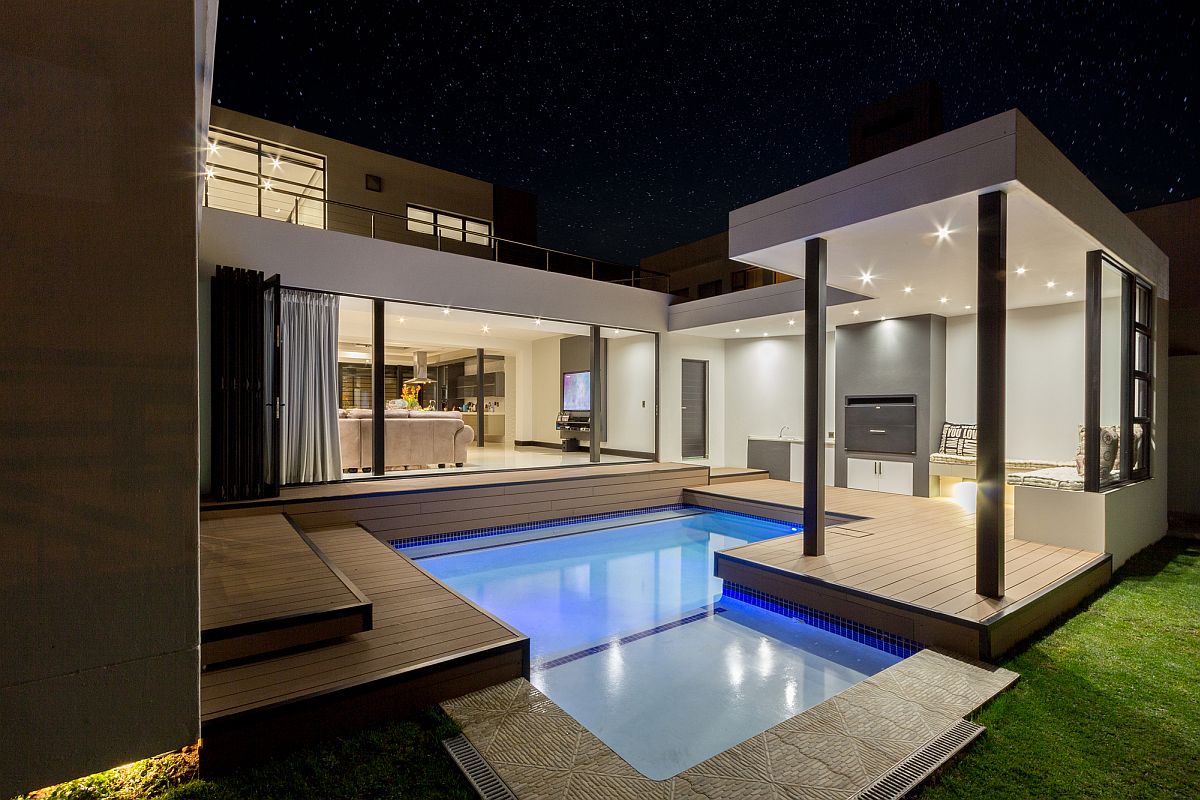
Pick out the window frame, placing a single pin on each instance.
(1137, 320)
(450, 225)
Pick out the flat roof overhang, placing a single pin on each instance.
(909, 220)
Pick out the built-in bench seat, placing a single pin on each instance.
(938, 461)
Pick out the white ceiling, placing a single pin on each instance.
(409, 327)
(904, 251)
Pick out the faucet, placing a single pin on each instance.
(781, 430)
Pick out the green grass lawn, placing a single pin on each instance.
(1108, 704)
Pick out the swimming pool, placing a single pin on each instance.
(630, 634)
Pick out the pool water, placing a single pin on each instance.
(629, 632)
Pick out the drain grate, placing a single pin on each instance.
(909, 773)
(478, 771)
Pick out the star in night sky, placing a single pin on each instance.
(640, 125)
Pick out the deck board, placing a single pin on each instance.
(917, 550)
(418, 622)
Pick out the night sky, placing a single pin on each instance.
(639, 126)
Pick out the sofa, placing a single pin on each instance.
(410, 438)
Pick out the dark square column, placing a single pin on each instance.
(816, 268)
(990, 341)
(378, 451)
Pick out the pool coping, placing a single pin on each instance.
(835, 749)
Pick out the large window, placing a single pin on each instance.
(454, 227)
(264, 179)
(1120, 356)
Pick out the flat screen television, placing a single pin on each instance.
(577, 391)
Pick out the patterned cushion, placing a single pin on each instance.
(1061, 478)
(1110, 448)
(959, 439)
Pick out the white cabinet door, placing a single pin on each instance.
(829, 465)
(896, 477)
(862, 473)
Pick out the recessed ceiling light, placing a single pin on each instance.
(764, 334)
(943, 299)
(1050, 284)
(1071, 293)
(401, 320)
(908, 290)
(943, 233)
(267, 184)
(213, 148)
(737, 330)
(446, 310)
(485, 329)
(865, 277)
(537, 321)
(208, 172)
(791, 322)
(1020, 270)
(882, 318)
(616, 331)
(275, 163)
(968, 308)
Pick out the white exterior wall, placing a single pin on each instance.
(674, 348)
(547, 400)
(630, 386)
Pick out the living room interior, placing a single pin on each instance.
(434, 403)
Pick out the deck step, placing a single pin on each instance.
(266, 588)
(736, 474)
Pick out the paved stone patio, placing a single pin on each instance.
(833, 750)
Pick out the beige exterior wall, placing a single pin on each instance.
(98, 182)
(404, 182)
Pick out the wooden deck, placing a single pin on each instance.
(428, 643)
(404, 508)
(264, 587)
(905, 565)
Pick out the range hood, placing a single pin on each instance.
(420, 370)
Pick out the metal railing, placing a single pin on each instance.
(273, 202)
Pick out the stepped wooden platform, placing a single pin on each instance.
(265, 587)
(736, 474)
(427, 644)
(904, 565)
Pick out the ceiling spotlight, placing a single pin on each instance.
(400, 320)
(856, 312)
(908, 290)
(737, 330)
(1020, 270)
(1050, 284)
(537, 321)
(882, 318)
(616, 331)
(275, 164)
(1071, 293)
(267, 184)
(968, 308)
(485, 329)
(208, 172)
(764, 334)
(791, 322)
(446, 310)
(213, 148)
(943, 233)
(865, 277)
(943, 299)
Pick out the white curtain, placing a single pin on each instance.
(310, 450)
